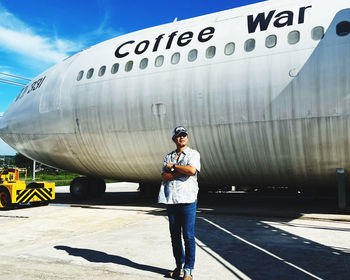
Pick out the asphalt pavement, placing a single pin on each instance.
(124, 236)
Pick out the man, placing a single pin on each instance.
(179, 191)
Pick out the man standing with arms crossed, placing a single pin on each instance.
(179, 191)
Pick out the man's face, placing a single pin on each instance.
(181, 140)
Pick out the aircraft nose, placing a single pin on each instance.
(2, 124)
(1, 121)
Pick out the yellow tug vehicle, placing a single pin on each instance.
(15, 192)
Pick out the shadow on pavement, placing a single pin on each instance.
(101, 257)
(230, 225)
(250, 204)
(262, 251)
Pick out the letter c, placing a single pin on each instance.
(117, 52)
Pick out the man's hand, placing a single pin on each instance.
(169, 166)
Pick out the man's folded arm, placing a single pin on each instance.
(168, 176)
(180, 170)
(186, 170)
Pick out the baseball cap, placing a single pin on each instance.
(178, 130)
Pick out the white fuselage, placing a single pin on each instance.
(265, 99)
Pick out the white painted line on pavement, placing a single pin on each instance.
(239, 274)
(261, 249)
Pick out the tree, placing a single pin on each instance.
(23, 162)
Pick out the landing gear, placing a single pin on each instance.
(87, 188)
(149, 190)
(343, 193)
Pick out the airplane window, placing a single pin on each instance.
(24, 91)
(175, 58)
(18, 95)
(249, 45)
(90, 73)
(21, 93)
(102, 71)
(210, 53)
(80, 75)
(317, 33)
(192, 55)
(343, 28)
(143, 63)
(271, 41)
(115, 68)
(293, 37)
(159, 61)
(129, 65)
(230, 48)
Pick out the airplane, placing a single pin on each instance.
(264, 91)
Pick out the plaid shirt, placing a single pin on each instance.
(182, 189)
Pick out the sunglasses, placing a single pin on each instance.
(182, 135)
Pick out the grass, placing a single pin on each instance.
(60, 178)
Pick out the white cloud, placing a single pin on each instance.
(18, 37)
(102, 31)
(31, 45)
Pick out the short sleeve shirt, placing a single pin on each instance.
(182, 189)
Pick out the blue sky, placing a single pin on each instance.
(36, 34)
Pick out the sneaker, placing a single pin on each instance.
(176, 273)
(188, 277)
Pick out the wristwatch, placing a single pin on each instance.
(172, 169)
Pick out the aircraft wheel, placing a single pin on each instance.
(79, 188)
(5, 199)
(149, 190)
(97, 187)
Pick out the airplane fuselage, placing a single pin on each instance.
(263, 90)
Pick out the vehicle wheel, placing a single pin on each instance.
(79, 188)
(97, 187)
(5, 199)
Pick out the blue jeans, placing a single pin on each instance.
(182, 217)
